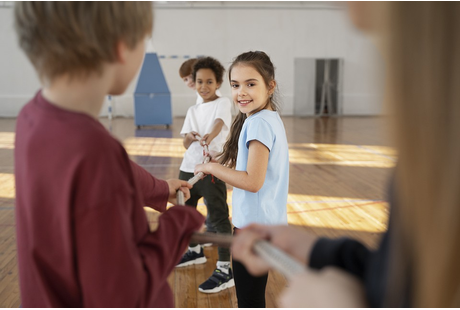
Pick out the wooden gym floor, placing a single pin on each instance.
(338, 174)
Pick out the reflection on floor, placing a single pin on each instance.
(338, 173)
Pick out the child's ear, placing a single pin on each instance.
(121, 50)
(219, 85)
(272, 87)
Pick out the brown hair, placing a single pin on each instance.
(212, 64)
(76, 38)
(263, 65)
(187, 67)
(422, 46)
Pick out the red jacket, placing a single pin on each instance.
(82, 234)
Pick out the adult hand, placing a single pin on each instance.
(294, 241)
(328, 288)
(174, 186)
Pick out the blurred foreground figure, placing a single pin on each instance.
(416, 264)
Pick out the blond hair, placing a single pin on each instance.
(76, 38)
(422, 46)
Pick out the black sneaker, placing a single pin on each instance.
(192, 258)
(219, 281)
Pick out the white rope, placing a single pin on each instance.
(276, 258)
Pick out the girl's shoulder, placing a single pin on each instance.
(269, 119)
(266, 115)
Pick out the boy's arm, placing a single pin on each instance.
(189, 138)
(187, 130)
(156, 193)
(250, 180)
(116, 268)
(207, 138)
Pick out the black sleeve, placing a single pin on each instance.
(345, 253)
(372, 267)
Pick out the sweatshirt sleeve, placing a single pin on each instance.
(345, 253)
(117, 269)
(155, 192)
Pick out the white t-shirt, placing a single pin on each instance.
(201, 118)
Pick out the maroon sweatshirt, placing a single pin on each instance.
(82, 234)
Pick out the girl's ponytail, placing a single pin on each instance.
(230, 151)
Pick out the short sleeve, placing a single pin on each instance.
(187, 127)
(260, 130)
(224, 111)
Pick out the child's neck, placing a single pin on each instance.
(212, 99)
(78, 95)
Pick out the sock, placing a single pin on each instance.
(196, 249)
(223, 266)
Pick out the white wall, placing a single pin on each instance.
(18, 81)
(223, 30)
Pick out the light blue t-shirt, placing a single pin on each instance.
(268, 205)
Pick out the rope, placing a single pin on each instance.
(276, 258)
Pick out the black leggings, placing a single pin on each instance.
(250, 290)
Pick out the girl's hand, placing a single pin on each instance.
(174, 186)
(294, 241)
(205, 168)
(328, 288)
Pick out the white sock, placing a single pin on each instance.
(223, 266)
(196, 249)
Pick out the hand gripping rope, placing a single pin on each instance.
(275, 257)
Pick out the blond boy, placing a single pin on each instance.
(82, 234)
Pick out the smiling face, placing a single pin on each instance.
(206, 84)
(249, 90)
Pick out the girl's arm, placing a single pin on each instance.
(250, 180)
(207, 138)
